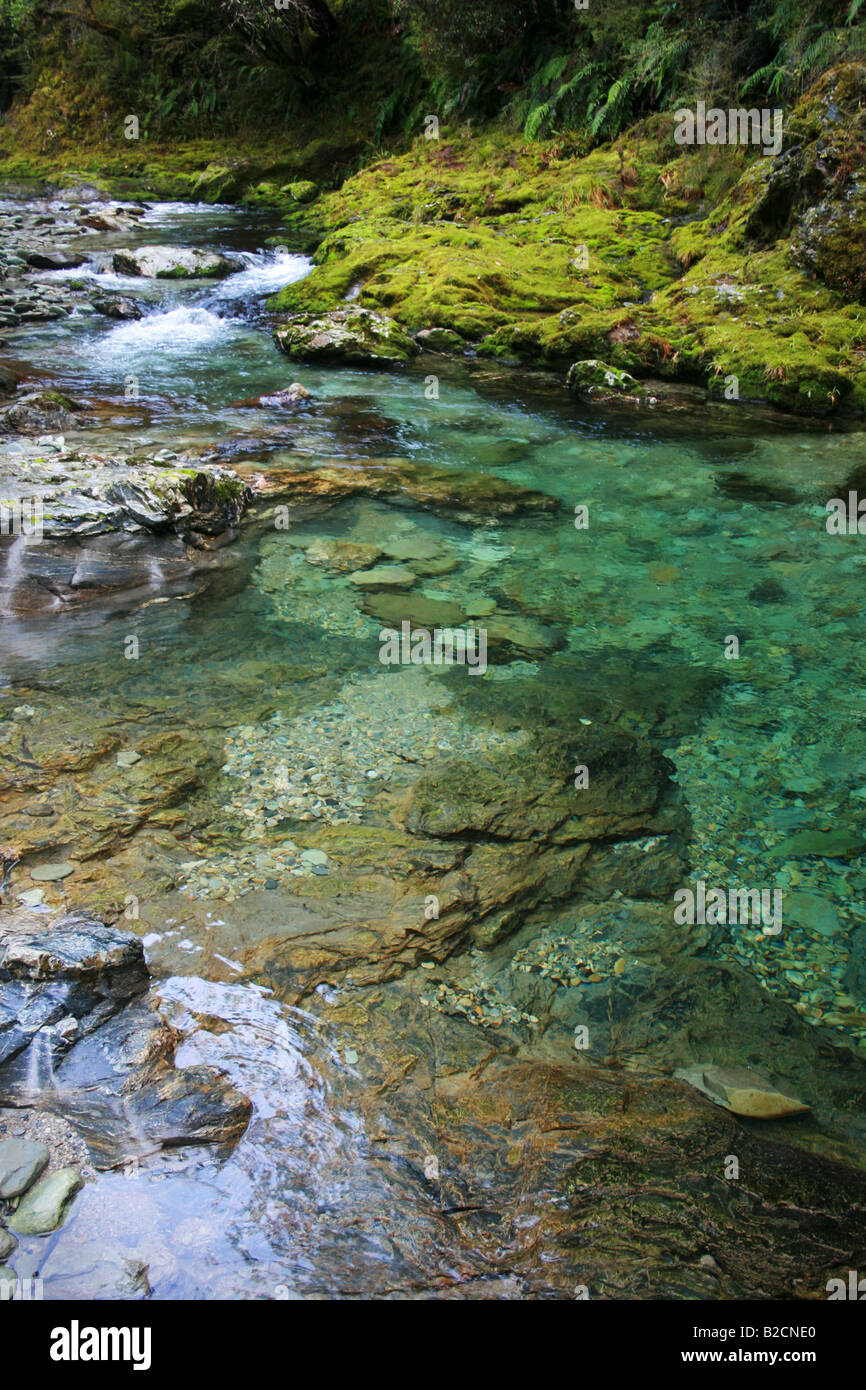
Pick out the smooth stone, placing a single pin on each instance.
(384, 577)
(21, 1162)
(342, 556)
(811, 910)
(829, 844)
(314, 856)
(44, 1207)
(8, 1243)
(128, 758)
(50, 873)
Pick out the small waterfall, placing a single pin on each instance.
(40, 1075)
(13, 573)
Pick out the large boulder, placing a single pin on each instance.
(352, 335)
(174, 263)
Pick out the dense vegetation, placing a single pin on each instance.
(211, 68)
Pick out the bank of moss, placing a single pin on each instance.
(714, 265)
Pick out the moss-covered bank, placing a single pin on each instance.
(711, 265)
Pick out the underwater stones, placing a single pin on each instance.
(342, 557)
(422, 612)
(174, 263)
(514, 635)
(8, 1244)
(741, 1091)
(383, 577)
(854, 978)
(45, 1206)
(812, 911)
(830, 844)
(21, 1163)
(467, 496)
(353, 336)
(531, 795)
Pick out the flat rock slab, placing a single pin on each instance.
(21, 1163)
(383, 577)
(741, 1091)
(45, 1206)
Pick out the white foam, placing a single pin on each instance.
(172, 330)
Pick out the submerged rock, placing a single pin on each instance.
(742, 1091)
(460, 493)
(354, 336)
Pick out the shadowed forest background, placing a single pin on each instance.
(375, 68)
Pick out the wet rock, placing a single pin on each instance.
(37, 413)
(57, 981)
(174, 263)
(119, 308)
(466, 496)
(45, 1206)
(120, 1089)
(8, 1244)
(75, 947)
(353, 336)
(75, 1025)
(55, 260)
(21, 1163)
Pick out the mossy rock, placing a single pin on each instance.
(350, 335)
(594, 378)
(304, 191)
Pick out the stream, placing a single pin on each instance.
(703, 523)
